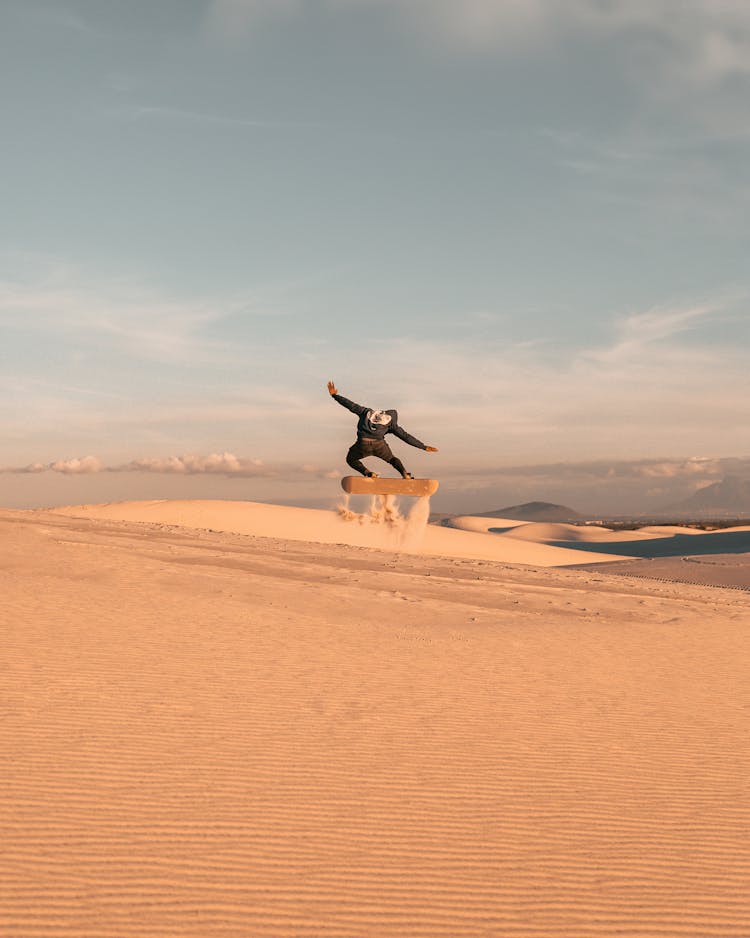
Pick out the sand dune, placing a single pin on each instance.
(385, 530)
(212, 735)
(589, 534)
(481, 525)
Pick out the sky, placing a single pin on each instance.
(522, 223)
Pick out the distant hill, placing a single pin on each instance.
(534, 511)
(730, 497)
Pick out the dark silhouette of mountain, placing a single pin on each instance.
(534, 511)
(731, 496)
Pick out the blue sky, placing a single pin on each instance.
(523, 223)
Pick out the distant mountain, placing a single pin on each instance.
(730, 497)
(534, 511)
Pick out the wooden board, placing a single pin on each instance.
(359, 485)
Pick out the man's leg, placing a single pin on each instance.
(354, 459)
(383, 451)
(398, 466)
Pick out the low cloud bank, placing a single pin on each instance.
(71, 467)
(696, 470)
(609, 488)
(606, 487)
(216, 463)
(223, 464)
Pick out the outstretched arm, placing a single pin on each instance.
(357, 409)
(408, 438)
(412, 440)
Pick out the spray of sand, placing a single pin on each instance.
(388, 526)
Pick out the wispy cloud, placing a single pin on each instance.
(663, 380)
(119, 314)
(707, 41)
(165, 112)
(691, 58)
(638, 332)
(231, 18)
(652, 386)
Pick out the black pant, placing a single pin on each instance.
(379, 448)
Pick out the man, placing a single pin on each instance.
(372, 427)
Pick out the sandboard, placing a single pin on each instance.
(360, 485)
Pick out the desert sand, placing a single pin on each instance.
(362, 522)
(220, 720)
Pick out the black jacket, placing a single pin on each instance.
(370, 431)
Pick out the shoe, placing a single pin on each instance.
(407, 475)
(372, 475)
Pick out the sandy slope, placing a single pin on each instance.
(543, 532)
(410, 535)
(482, 525)
(212, 734)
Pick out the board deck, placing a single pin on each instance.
(360, 485)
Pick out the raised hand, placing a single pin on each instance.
(332, 388)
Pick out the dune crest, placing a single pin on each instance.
(588, 534)
(382, 526)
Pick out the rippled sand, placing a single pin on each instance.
(212, 734)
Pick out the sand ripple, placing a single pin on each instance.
(213, 735)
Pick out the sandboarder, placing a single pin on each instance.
(372, 427)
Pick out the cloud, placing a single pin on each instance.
(226, 464)
(313, 470)
(705, 40)
(705, 467)
(691, 57)
(670, 378)
(32, 469)
(220, 464)
(119, 316)
(637, 332)
(83, 466)
(605, 488)
(651, 387)
(183, 115)
(231, 18)
(684, 469)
